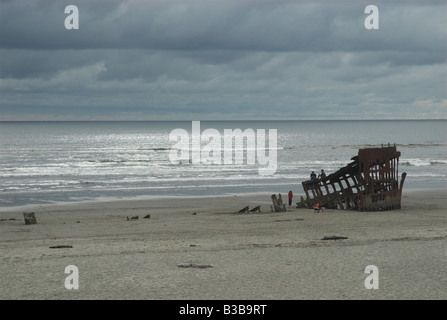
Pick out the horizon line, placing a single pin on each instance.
(234, 120)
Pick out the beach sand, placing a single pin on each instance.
(267, 255)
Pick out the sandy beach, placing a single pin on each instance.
(199, 248)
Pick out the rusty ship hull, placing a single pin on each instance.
(370, 182)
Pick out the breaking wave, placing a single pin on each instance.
(421, 162)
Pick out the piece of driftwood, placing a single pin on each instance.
(282, 220)
(193, 265)
(334, 238)
(29, 218)
(60, 247)
(370, 182)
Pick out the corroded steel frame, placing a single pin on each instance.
(368, 183)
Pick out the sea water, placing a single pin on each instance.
(49, 162)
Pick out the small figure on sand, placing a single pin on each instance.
(318, 207)
(290, 195)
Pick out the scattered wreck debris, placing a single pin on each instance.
(368, 183)
(334, 238)
(7, 219)
(278, 205)
(29, 218)
(193, 265)
(247, 209)
(287, 220)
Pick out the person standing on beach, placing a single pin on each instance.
(290, 198)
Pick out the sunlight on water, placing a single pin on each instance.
(42, 162)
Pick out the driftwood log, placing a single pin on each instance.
(193, 265)
(61, 247)
(334, 238)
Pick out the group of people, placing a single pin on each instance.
(317, 206)
(321, 175)
(313, 178)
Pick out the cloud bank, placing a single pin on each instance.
(215, 59)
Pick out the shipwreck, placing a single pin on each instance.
(369, 183)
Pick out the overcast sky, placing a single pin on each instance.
(222, 60)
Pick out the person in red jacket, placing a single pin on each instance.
(290, 198)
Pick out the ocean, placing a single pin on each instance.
(52, 162)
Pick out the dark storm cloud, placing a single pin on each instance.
(218, 58)
(227, 25)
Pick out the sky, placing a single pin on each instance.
(223, 60)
